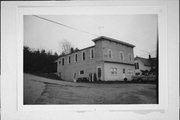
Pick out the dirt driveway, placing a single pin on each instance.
(62, 92)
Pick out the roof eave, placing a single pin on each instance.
(113, 40)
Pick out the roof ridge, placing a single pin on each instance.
(77, 51)
(114, 40)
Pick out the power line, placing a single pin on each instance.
(146, 51)
(65, 25)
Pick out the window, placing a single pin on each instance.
(136, 65)
(130, 72)
(75, 58)
(69, 59)
(74, 75)
(81, 72)
(123, 70)
(109, 53)
(99, 73)
(59, 62)
(60, 74)
(62, 61)
(113, 71)
(121, 55)
(130, 57)
(91, 53)
(83, 56)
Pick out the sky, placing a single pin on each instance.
(139, 30)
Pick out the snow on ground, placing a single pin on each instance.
(39, 90)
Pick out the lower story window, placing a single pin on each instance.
(136, 65)
(123, 70)
(74, 75)
(60, 74)
(130, 72)
(113, 71)
(81, 72)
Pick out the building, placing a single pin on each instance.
(108, 60)
(145, 64)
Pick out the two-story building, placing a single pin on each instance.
(109, 60)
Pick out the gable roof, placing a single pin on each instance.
(112, 40)
(146, 61)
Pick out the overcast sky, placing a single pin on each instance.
(139, 30)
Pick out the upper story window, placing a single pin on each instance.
(130, 72)
(69, 59)
(83, 56)
(130, 57)
(59, 62)
(91, 53)
(62, 61)
(136, 65)
(109, 53)
(75, 57)
(121, 55)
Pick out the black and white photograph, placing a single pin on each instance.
(90, 59)
(84, 60)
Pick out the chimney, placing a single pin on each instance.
(150, 61)
(149, 57)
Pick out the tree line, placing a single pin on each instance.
(42, 61)
(39, 61)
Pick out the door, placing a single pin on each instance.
(124, 74)
(91, 77)
(74, 77)
(99, 73)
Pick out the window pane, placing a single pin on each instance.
(110, 53)
(63, 61)
(92, 53)
(82, 72)
(137, 65)
(99, 72)
(75, 57)
(69, 59)
(121, 56)
(83, 56)
(130, 57)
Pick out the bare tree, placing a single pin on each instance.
(65, 46)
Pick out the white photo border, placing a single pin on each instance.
(95, 10)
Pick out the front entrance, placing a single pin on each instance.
(91, 77)
(99, 73)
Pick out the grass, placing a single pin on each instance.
(55, 77)
(64, 92)
(47, 75)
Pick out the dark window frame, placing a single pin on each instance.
(81, 72)
(69, 59)
(63, 61)
(83, 55)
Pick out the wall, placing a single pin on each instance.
(141, 66)
(119, 76)
(116, 48)
(68, 70)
